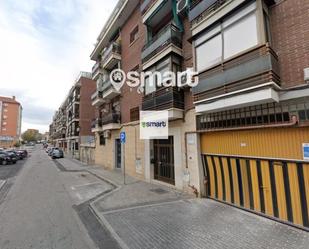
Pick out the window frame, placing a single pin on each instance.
(134, 34)
(258, 9)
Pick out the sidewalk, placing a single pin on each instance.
(134, 193)
(144, 215)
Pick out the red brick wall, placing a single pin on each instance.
(290, 39)
(131, 57)
(86, 111)
(187, 61)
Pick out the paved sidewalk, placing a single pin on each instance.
(143, 215)
(134, 193)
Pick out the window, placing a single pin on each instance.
(134, 114)
(102, 140)
(240, 36)
(233, 35)
(134, 34)
(152, 81)
(209, 53)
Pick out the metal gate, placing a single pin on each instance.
(274, 187)
(164, 160)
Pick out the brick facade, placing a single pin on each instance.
(87, 111)
(131, 59)
(290, 35)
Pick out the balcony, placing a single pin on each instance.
(168, 40)
(111, 56)
(96, 70)
(96, 125)
(255, 74)
(153, 11)
(203, 8)
(255, 67)
(110, 121)
(108, 91)
(170, 98)
(97, 98)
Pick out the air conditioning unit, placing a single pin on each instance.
(181, 6)
(306, 74)
(107, 134)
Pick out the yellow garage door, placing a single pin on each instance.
(261, 170)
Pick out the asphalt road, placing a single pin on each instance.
(37, 210)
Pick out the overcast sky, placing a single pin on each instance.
(43, 46)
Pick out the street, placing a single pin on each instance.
(37, 212)
(63, 204)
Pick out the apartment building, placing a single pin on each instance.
(72, 122)
(119, 45)
(239, 136)
(252, 103)
(10, 121)
(145, 37)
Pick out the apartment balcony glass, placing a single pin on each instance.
(108, 90)
(97, 98)
(168, 37)
(96, 70)
(111, 56)
(203, 7)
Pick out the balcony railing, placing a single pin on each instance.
(96, 123)
(145, 5)
(96, 68)
(96, 95)
(203, 8)
(255, 67)
(114, 47)
(111, 118)
(164, 98)
(168, 35)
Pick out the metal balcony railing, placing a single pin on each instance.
(164, 98)
(111, 118)
(168, 35)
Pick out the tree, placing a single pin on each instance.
(31, 135)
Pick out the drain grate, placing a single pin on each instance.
(159, 191)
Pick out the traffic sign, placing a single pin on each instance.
(123, 137)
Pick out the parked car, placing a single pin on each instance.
(17, 154)
(57, 153)
(23, 152)
(6, 158)
(50, 152)
(13, 156)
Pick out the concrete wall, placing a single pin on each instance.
(87, 154)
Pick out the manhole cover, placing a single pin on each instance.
(159, 191)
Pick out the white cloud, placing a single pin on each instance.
(44, 45)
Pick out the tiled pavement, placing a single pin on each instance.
(143, 215)
(201, 223)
